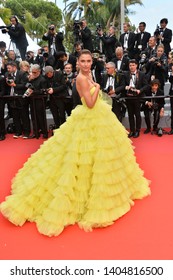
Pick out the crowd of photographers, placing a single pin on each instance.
(131, 70)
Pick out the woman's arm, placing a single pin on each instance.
(83, 85)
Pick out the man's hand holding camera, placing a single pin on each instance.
(10, 82)
(50, 90)
(132, 91)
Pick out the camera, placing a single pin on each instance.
(51, 28)
(98, 27)
(143, 58)
(45, 54)
(108, 89)
(77, 25)
(44, 91)
(155, 106)
(4, 31)
(9, 81)
(132, 91)
(28, 86)
(158, 31)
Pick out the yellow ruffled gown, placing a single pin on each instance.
(86, 173)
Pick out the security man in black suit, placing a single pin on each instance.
(127, 40)
(135, 86)
(142, 38)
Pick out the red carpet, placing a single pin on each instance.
(146, 232)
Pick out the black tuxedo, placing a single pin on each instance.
(142, 40)
(118, 85)
(167, 38)
(130, 43)
(134, 103)
(124, 63)
(141, 43)
(58, 37)
(109, 45)
(158, 103)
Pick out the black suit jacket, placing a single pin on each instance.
(143, 42)
(57, 82)
(87, 39)
(167, 38)
(131, 43)
(20, 79)
(141, 82)
(59, 37)
(18, 36)
(118, 83)
(159, 101)
(109, 44)
(124, 63)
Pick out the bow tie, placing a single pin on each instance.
(110, 75)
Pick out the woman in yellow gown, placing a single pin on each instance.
(86, 173)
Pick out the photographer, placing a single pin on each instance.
(164, 35)
(44, 58)
(109, 42)
(98, 67)
(135, 86)
(121, 61)
(56, 89)
(113, 85)
(86, 36)
(155, 106)
(2, 106)
(36, 89)
(55, 40)
(17, 35)
(157, 66)
(15, 86)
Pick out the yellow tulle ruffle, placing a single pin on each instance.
(86, 173)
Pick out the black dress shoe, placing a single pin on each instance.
(2, 137)
(170, 132)
(32, 136)
(136, 134)
(130, 134)
(146, 131)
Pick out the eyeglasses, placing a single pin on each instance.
(34, 72)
